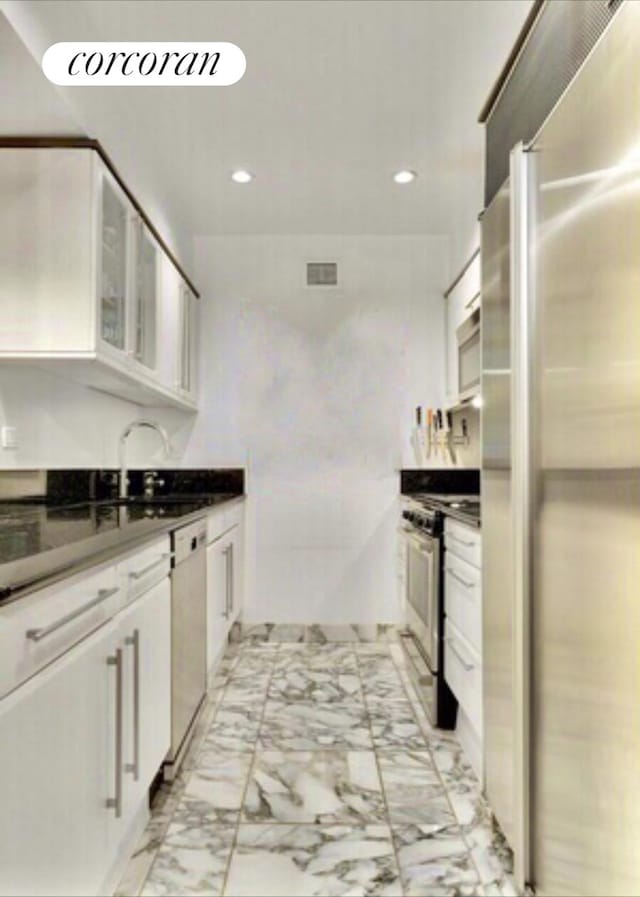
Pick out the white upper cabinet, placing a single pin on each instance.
(145, 298)
(86, 288)
(114, 264)
(187, 344)
(46, 252)
(461, 301)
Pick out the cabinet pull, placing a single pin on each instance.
(473, 299)
(230, 577)
(138, 574)
(115, 803)
(134, 641)
(465, 583)
(36, 635)
(226, 612)
(461, 541)
(465, 663)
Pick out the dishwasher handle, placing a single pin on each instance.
(188, 540)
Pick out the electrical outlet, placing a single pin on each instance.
(8, 437)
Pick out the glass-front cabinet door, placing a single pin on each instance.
(146, 293)
(113, 251)
(186, 367)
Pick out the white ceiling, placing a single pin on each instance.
(336, 97)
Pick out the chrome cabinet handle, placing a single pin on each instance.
(138, 574)
(36, 635)
(230, 579)
(134, 641)
(467, 585)
(473, 299)
(461, 541)
(115, 803)
(226, 612)
(465, 663)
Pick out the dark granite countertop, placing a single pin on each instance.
(38, 542)
(43, 538)
(453, 492)
(468, 516)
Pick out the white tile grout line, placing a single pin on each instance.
(274, 652)
(401, 880)
(234, 842)
(178, 786)
(426, 733)
(337, 752)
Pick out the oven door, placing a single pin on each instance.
(423, 589)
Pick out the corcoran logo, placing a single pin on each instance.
(140, 64)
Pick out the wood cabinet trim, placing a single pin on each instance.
(95, 145)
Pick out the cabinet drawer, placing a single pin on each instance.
(142, 569)
(40, 627)
(234, 514)
(222, 519)
(463, 673)
(464, 541)
(463, 598)
(215, 525)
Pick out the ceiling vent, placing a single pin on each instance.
(322, 274)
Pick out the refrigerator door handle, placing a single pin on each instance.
(522, 334)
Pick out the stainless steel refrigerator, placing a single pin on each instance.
(562, 619)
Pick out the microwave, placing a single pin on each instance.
(469, 364)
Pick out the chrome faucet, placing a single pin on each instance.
(152, 425)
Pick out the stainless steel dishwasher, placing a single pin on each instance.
(188, 636)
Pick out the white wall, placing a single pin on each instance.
(312, 390)
(315, 390)
(63, 424)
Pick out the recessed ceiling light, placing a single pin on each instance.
(241, 176)
(405, 176)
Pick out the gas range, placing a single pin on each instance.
(419, 516)
(423, 638)
(462, 507)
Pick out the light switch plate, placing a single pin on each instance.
(8, 437)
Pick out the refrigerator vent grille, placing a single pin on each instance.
(322, 274)
(563, 34)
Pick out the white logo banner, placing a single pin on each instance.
(144, 63)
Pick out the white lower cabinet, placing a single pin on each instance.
(463, 665)
(224, 591)
(80, 742)
(218, 623)
(225, 580)
(236, 569)
(58, 769)
(144, 635)
(463, 633)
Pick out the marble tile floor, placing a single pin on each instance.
(314, 771)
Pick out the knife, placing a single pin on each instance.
(452, 454)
